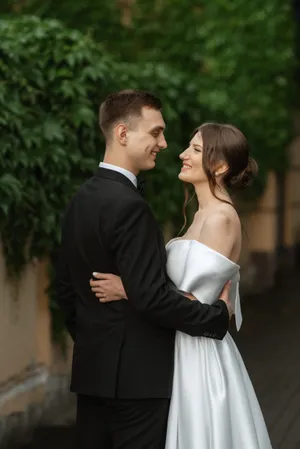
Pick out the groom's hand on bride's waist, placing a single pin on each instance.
(224, 296)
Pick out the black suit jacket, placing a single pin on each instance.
(123, 349)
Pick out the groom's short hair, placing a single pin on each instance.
(124, 106)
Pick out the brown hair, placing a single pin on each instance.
(124, 105)
(224, 142)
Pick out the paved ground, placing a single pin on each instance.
(269, 342)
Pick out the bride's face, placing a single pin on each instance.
(192, 169)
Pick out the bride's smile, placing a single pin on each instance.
(192, 169)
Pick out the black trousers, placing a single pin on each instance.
(121, 423)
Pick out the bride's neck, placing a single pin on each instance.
(205, 197)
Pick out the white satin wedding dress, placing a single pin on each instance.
(213, 403)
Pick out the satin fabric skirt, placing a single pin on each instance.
(213, 405)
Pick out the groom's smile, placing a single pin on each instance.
(154, 153)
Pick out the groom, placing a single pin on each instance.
(123, 351)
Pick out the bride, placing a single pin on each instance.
(213, 403)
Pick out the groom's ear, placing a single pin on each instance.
(121, 132)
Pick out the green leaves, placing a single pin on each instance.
(45, 109)
(209, 61)
(52, 130)
(10, 193)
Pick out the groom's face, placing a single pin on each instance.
(145, 139)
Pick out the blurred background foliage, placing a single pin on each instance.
(208, 61)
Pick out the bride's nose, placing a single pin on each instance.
(182, 155)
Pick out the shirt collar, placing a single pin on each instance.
(121, 170)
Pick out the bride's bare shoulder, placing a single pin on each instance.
(224, 214)
(221, 231)
(222, 220)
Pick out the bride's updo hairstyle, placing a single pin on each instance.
(222, 142)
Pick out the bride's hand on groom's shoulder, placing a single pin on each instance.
(107, 287)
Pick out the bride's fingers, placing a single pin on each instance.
(99, 284)
(98, 290)
(103, 298)
(102, 276)
(95, 283)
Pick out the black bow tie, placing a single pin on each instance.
(141, 186)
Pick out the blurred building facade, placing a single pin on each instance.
(272, 245)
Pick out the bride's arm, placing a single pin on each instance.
(109, 287)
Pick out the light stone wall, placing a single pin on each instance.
(34, 374)
(292, 212)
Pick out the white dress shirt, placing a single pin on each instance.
(124, 172)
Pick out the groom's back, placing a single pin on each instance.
(117, 353)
